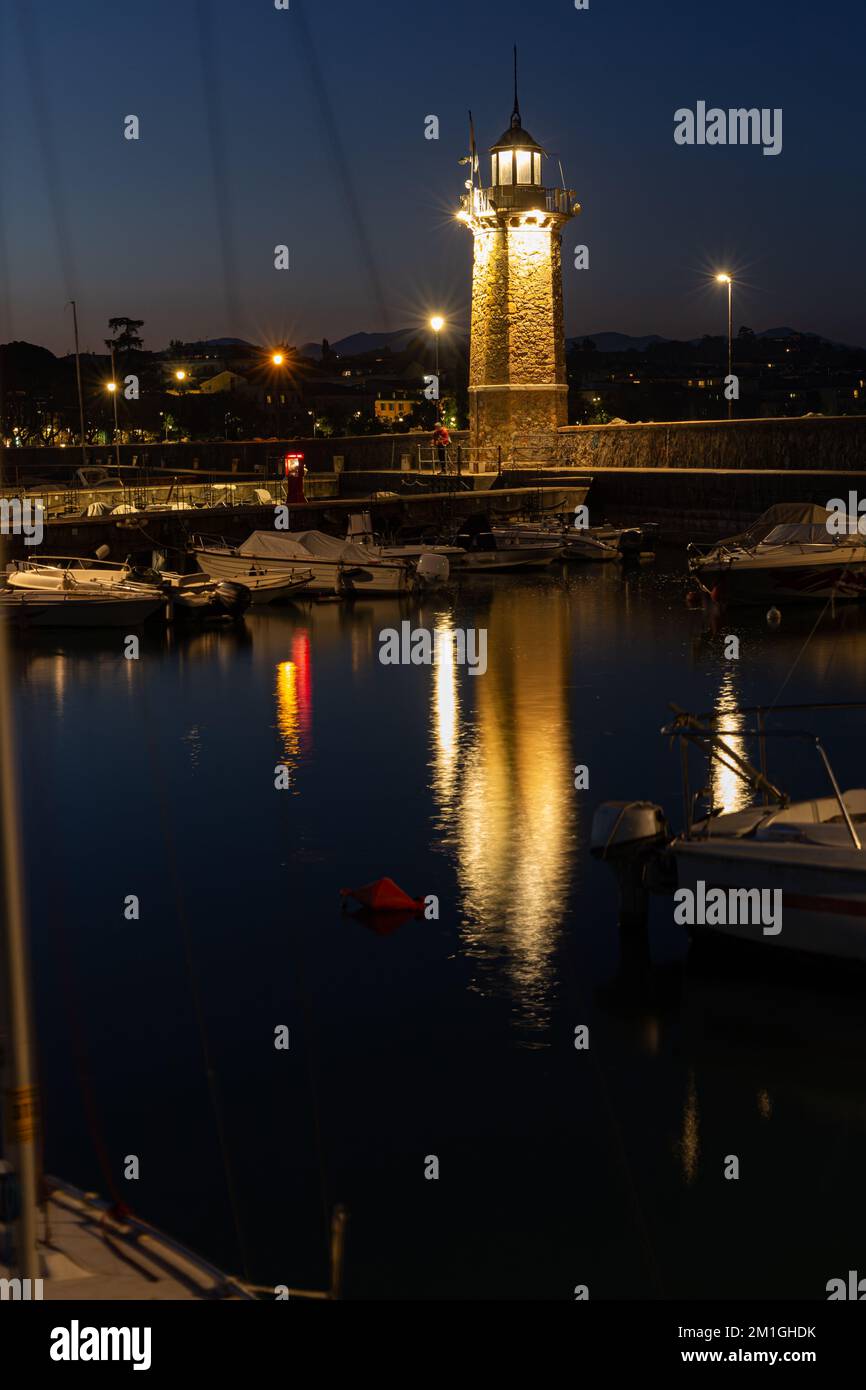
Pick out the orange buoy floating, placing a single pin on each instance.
(384, 896)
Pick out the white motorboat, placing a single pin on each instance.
(186, 597)
(28, 608)
(790, 554)
(597, 544)
(275, 588)
(336, 567)
(67, 573)
(801, 862)
(487, 549)
(433, 563)
(603, 544)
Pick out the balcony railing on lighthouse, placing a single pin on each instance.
(519, 198)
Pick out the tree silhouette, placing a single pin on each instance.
(126, 336)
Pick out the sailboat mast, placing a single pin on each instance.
(20, 1095)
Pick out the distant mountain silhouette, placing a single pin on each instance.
(397, 341)
(623, 342)
(617, 342)
(358, 343)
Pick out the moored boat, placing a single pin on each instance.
(790, 554)
(597, 544)
(28, 608)
(433, 562)
(335, 566)
(783, 873)
(488, 549)
(67, 579)
(275, 588)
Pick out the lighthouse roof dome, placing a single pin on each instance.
(516, 136)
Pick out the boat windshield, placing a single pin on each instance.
(797, 533)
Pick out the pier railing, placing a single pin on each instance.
(119, 498)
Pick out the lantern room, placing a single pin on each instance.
(516, 158)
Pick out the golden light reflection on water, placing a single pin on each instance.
(503, 784)
(287, 708)
(730, 793)
(446, 713)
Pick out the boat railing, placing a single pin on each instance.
(199, 541)
(702, 732)
(81, 562)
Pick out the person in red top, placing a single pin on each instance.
(441, 439)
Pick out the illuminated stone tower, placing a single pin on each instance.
(517, 381)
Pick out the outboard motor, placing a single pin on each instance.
(630, 544)
(433, 568)
(234, 599)
(630, 835)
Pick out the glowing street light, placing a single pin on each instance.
(724, 279)
(112, 391)
(111, 386)
(278, 359)
(437, 323)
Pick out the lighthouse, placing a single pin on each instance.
(517, 383)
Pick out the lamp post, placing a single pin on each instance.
(278, 359)
(725, 279)
(437, 323)
(112, 387)
(180, 378)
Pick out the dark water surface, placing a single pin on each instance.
(454, 1037)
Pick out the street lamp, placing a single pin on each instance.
(112, 387)
(724, 279)
(277, 360)
(437, 323)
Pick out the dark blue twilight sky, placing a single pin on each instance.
(306, 126)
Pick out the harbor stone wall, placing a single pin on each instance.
(833, 442)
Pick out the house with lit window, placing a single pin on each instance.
(396, 408)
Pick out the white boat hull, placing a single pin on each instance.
(40, 608)
(823, 892)
(272, 588)
(226, 564)
(510, 558)
(327, 576)
(839, 572)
